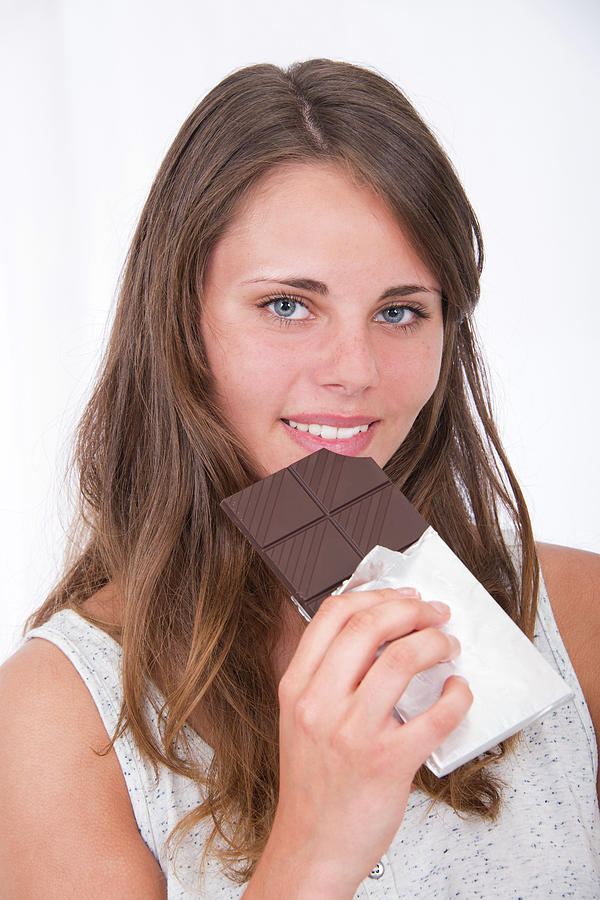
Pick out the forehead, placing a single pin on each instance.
(312, 217)
(293, 190)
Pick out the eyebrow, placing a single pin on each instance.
(319, 287)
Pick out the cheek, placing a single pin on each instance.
(413, 374)
(249, 374)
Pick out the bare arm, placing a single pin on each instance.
(67, 828)
(573, 581)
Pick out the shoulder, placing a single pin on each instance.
(572, 579)
(65, 813)
(570, 569)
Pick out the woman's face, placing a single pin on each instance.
(322, 327)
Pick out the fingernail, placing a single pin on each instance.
(408, 592)
(442, 608)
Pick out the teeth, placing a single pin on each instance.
(328, 432)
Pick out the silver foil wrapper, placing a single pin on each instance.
(512, 684)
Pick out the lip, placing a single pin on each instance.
(351, 447)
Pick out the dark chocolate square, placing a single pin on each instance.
(385, 517)
(315, 560)
(336, 480)
(273, 508)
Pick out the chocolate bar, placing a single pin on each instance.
(318, 524)
(313, 522)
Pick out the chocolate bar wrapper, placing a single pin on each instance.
(512, 684)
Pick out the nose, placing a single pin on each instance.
(347, 361)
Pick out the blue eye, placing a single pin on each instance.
(396, 315)
(284, 307)
(287, 308)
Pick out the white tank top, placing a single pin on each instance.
(545, 843)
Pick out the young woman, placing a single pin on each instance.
(303, 275)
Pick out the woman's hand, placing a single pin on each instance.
(346, 764)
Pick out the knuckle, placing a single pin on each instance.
(363, 620)
(331, 606)
(439, 642)
(415, 603)
(412, 612)
(412, 607)
(451, 709)
(349, 742)
(400, 655)
(391, 595)
(463, 692)
(306, 714)
(443, 720)
(436, 643)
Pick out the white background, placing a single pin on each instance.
(93, 94)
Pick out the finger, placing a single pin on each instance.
(329, 619)
(333, 616)
(389, 676)
(353, 651)
(418, 738)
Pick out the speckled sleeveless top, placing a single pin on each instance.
(544, 844)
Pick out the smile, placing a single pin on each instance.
(327, 432)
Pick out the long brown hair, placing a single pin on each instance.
(200, 612)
